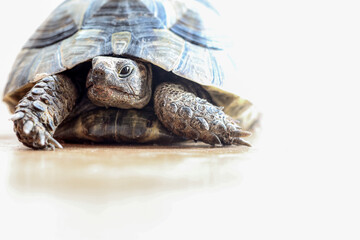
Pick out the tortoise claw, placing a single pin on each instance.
(53, 141)
(212, 139)
(52, 147)
(240, 133)
(17, 116)
(41, 139)
(239, 141)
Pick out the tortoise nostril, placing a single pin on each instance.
(97, 75)
(98, 72)
(89, 82)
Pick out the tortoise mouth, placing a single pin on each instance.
(112, 96)
(106, 91)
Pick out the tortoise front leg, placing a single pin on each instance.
(42, 109)
(187, 115)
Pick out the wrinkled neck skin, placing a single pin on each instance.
(119, 82)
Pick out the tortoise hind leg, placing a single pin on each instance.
(187, 115)
(42, 109)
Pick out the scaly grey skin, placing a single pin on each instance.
(125, 84)
(42, 109)
(189, 116)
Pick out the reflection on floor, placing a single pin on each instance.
(120, 189)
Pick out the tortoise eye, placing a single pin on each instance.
(125, 71)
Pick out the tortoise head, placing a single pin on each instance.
(119, 82)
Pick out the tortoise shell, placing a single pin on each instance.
(182, 37)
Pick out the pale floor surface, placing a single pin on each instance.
(101, 190)
(174, 192)
(288, 186)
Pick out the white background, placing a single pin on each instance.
(299, 62)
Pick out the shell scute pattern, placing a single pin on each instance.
(169, 34)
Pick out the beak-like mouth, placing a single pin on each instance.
(99, 94)
(115, 97)
(103, 94)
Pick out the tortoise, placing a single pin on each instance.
(127, 71)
